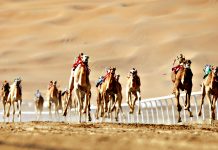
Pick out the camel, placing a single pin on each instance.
(109, 92)
(53, 98)
(183, 81)
(39, 101)
(81, 87)
(210, 89)
(133, 89)
(15, 95)
(4, 94)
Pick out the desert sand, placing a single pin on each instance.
(48, 135)
(40, 39)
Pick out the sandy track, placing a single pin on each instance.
(48, 135)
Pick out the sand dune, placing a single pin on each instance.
(39, 40)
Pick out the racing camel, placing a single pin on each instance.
(4, 94)
(15, 95)
(183, 81)
(133, 89)
(53, 98)
(109, 96)
(210, 89)
(81, 87)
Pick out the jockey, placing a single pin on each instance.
(77, 61)
(207, 69)
(102, 78)
(37, 94)
(181, 60)
(100, 81)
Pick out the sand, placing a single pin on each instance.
(48, 135)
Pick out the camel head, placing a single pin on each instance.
(117, 77)
(17, 81)
(85, 59)
(6, 86)
(133, 72)
(112, 70)
(54, 83)
(187, 64)
(215, 71)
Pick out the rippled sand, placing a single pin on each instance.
(47, 135)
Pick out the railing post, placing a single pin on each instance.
(157, 113)
(152, 112)
(128, 117)
(167, 107)
(148, 119)
(196, 106)
(173, 110)
(142, 116)
(137, 117)
(161, 106)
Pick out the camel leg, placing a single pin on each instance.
(188, 97)
(139, 99)
(4, 105)
(130, 103)
(119, 107)
(88, 107)
(106, 104)
(77, 94)
(49, 109)
(20, 102)
(133, 105)
(129, 100)
(8, 113)
(179, 108)
(202, 100)
(13, 111)
(56, 110)
(213, 111)
(210, 102)
(98, 106)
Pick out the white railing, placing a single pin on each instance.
(160, 110)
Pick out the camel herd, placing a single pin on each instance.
(109, 92)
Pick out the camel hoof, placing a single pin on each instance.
(116, 119)
(102, 114)
(179, 120)
(90, 119)
(186, 108)
(8, 115)
(191, 115)
(199, 114)
(65, 114)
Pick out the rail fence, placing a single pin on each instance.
(163, 110)
(160, 110)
